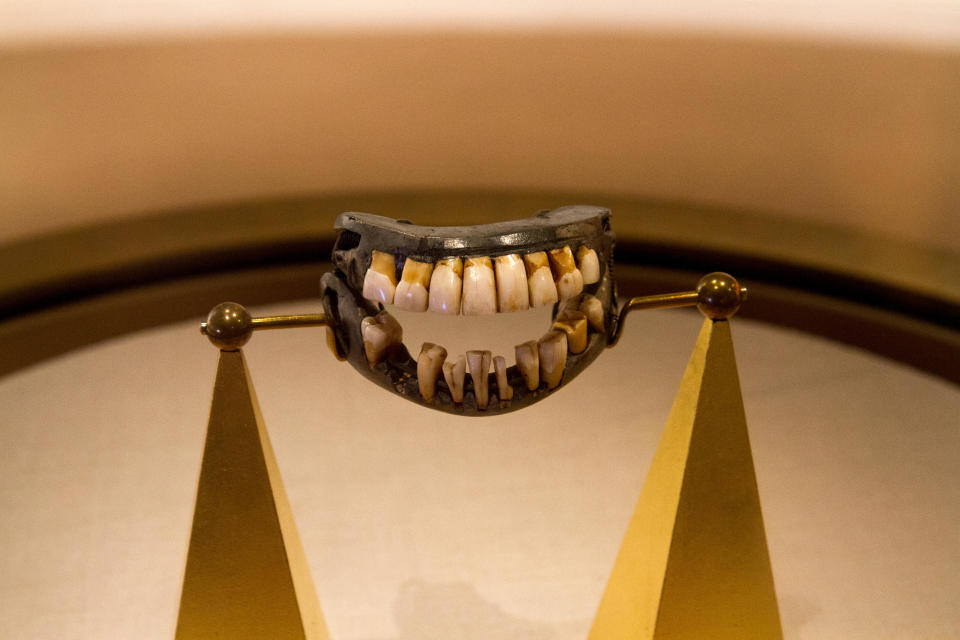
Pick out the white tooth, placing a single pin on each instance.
(479, 364)
(589, 264)
(543, 291)
(574, 324)
(504, 390)
(412, 291)
(568, 278)
(553, 357)
(512, 290)
(454, 373)
(445, 286)
(380, 334)
(429, 365)
(528, 361)
(593, 309)
(380, 281)
(479, 287)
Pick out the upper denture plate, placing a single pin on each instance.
(504, 390)
(528, 362)
(455, 373)
(543, 291)
(593, 309)
(479, 364)
(512, 290)
(411, 293)
(565, 273)
(380, 334)
(380, 281)
(429, 365)
(589, 264)
(574, 324)
(479, 287)
(552, 349)
(445, 286)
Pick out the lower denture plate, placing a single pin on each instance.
(411, 293)
(429, 366)
(512, 291)
(504, 389)
(528, 362)
(454, 374)
(479, 365)
(589, 264)
(552, 348)
(479, 287)
(446, 285)
(380, 333)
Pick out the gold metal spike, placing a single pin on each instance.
(694, 561)
(246, 574)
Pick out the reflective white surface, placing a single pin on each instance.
(422, 526)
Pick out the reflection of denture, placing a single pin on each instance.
(560, 258)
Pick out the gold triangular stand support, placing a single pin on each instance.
(694, 563)
(246, 574)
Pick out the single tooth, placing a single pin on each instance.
(543, 291)
(445, 286)
(553, 357)
(380, 282)
(380, 334)
(574, 324)
(504, 390)
(512, 290)
(528, 361)
(454, 373)
(593, 309)
(479, 364)
(411, 293)
(429, 366)
(589, 264)
(568, 278)
(479, 288)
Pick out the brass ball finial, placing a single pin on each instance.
(719, 295)
(228, 326)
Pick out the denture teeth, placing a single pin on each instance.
(528, 362)
(568, 278)
(593, 309)
(380, 281)
(512, 290)
(479, 287)
(589, 264)
(574, 324)
(429, 365)
(380, 334)
(454, 374)
(445, 286)
(543, 291)
(411, 292)
(504, 390)
(552, 348)
(479, 365)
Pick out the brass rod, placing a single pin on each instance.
(659, 301)
(296, 320)
(229, 326)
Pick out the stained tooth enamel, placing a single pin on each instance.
(512, 291)
(454, 373)
(479, 365)
(504, 390)
(411, 293)
(565, 273)
(479, 288)
(589, 264)
(543, 291)
(380, 281)
(552, 348)
(593, 309)
(445, 286)
(528, 362)
(380, 333)
(429, 366)
(574, 324)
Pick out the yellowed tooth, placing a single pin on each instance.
(574, 324)
(380, 281)
(479, 288)
(429, 366)
(552, 348)
(528, 361)
(593, 309)
(454, 374)
(543, 291)
(381, 333)
(479, 364)
(445, 286)
(565, 273)
(512, 291)
(589, 264)
(504, 390)
(411, 293)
